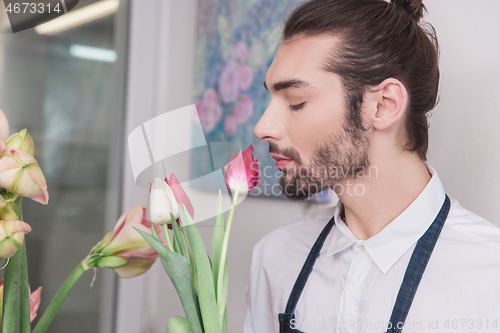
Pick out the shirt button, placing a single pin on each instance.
(351, 293)
(359, 248)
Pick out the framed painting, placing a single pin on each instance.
(236, 44)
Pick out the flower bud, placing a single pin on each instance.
(21, 174)
(124, 250)
(12, 236)
(162, 203)
(21, 141)
(242, 171)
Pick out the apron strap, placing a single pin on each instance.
(416, 267)
(307, 268)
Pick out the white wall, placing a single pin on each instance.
(463, 135)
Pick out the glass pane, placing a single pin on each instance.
(63, 88)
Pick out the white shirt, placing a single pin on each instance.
(354, 283)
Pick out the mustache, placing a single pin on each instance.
(286, 152)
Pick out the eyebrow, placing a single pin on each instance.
(294, 83)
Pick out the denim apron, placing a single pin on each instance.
(413, 274)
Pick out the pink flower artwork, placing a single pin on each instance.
(240, 51)
(209, 110)
(244, 109)
(230, 125)
(245, 77)
(228, 82)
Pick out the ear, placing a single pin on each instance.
(387, 103)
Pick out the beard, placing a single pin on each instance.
(344, 155)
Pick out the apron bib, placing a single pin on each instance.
(411, 280)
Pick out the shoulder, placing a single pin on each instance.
(296, 237)
(471, 229)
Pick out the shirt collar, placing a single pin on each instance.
(386, 247)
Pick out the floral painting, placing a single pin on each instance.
(236, 44)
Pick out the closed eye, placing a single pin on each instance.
(297, 107)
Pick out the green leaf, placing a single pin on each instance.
(224, 322)
(11, 296)
(25, 324)
(178, 239)
(24, 293)
(217, 240)
(206, 290)
(178, 325)
(180, 272)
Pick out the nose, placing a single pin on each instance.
(270, 126)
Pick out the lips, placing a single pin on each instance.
(281, 161)
(278, 157)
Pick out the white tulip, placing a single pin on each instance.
(162, 203)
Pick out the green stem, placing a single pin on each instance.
(25, 325)
(58, 300)
(11, 296)
(221, 303)
(24, 292)
(167, 236)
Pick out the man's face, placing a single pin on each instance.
(305, 121)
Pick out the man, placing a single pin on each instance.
(351, 86)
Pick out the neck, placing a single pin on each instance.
(389, 186)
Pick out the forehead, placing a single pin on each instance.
(302, 57)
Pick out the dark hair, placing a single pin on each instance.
(378, 40)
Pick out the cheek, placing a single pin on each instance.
(314, 125)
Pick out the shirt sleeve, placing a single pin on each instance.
(259, 309)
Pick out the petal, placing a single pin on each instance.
(180, 195)
(171, 199)
(12, 236)
(21, 174)
(161, 202)
(136, 266)
(242, 171)
(21, 141)
(133, 216)
(4, 127)
(35, 298)
(128, 240)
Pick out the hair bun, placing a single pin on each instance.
(414, 7)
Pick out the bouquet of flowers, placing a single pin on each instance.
(200, 281)
(130, 249)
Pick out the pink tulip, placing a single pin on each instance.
(180, 197)
(21, 174)
(35, 298)
(12, 236)
(124, 249)
(242, 172)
